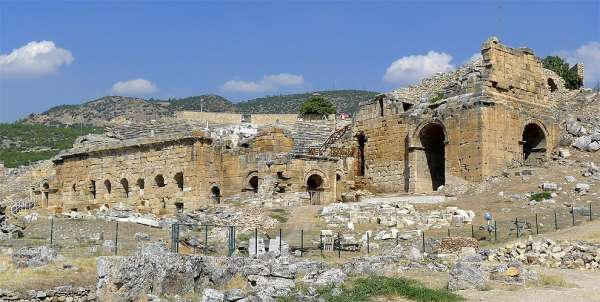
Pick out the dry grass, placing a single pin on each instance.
(546, 280)
(83, 273)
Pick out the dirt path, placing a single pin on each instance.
(584, 287)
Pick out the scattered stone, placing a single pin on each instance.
(33, 256)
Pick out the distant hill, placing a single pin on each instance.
(117, 109)
(344, 101)
(21, 143)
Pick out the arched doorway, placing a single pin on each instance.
(253, 183)
(431, 161)
(215, 194)
(313, 185)
(534, 144)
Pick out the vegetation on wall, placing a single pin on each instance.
(22, 143)
(566, 72)
(317, 105)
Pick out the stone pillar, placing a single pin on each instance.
(579, 70)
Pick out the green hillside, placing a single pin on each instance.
(344, 100)
(22, 143)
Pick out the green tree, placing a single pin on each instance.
(317, 105)
(562, 68)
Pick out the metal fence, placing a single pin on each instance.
(79, 238)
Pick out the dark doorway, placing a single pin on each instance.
(179, 207)
(108, 186)
(253, 182)
(215, 194)
(432, 139)
(46, 187)
(313, 184)
(534, 145)
(93, 188)
(361, 154)
(159, 180)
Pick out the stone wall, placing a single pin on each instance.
(221, 118)
(502, 121)
(187, 172)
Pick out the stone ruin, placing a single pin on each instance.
(498, 111)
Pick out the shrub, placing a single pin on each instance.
(562, 68)
(317, 105)
(540, 196)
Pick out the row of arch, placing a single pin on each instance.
(159, 181)
(431, 139)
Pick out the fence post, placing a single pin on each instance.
(51, 231)
(280, 239)
(495, 231)
(573, 214)
(590, 205)
(116, 237)
(339, 246)
(255, 242)
(368, 247)
(472, 231)
(555, 221)
(301, 243)
(206, 239)
(537, 230)
(397, 237)
(321, 243)
(174, 237)
(423, 239)
(448, 231)
(517, 226)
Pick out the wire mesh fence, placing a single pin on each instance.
(76, 238)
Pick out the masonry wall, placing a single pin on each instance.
(221, 118)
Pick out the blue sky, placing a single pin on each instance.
(247, 49)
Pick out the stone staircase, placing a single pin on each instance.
(311, 135)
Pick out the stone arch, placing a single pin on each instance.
(108, 186)
(125, 185)
(252, 181)
(215, 194)
(179, 180)
(46, 194)
(159, 181)
(534, 142)
(315, 182)
(430, 140)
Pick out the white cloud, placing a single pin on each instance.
(267, 83)
(134, 87)
(589, 55)
(34, 59)
(411, 69)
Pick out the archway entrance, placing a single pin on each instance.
(534, 145)
(253, 183)
(313, 185)
(215, 194)
(431, 162)
(46, 193)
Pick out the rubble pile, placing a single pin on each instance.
(455, 244)
(8, 230)
(243, 218)
(390, 213)
(549, 253)
(61, 293)
(582, 125)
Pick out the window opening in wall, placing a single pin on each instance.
(125, 185)
(108, 186)
(179, 207)
(159, 180)
(93, 188)
(179, 180)
(361, 154)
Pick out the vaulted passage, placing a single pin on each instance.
(253, 182)
(215, 193)
(361, 154)
(431, 160)
(313, 184)
(534, 145)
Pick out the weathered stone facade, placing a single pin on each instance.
(496, 114)
(166, 174)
